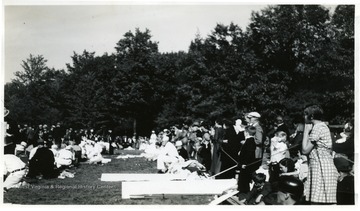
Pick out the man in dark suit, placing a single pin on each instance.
(58, 134)
(230, 148)
(246, 160)
(111, 140)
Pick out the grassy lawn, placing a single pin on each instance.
(86, 187)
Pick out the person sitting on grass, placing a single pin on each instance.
(94, 154)
(258, 191)
(42, 164)
(14, 171)
(65, 157)
(168, 155)
(77, 152)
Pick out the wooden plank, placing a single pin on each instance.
(115, 177)
(233, 200)
(223, 197)
(188, 187)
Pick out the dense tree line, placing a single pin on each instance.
(288, 57)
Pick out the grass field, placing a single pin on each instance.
(86, 187)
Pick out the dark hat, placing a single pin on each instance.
(292, 185)
(286, 184)
(342, 164)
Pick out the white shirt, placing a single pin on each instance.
(32, 152)
(153, 136)
(278, 151)
(170, 150)
(11, 163)
(55, 152)
(65, 154)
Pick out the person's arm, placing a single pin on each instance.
(5, 172)
(258, 136)
(307, 146)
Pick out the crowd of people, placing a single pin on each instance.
(305, 161)
(314, 165)
(55, 152)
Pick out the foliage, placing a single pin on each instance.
(33, 96)
(288, 56)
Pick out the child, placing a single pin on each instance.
(278, 147)
(278, 151)
(259, 190)
(246, 157)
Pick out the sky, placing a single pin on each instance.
(56, 31)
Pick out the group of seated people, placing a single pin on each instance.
(46, 160)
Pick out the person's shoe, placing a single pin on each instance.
(24, 183)
(61, 177)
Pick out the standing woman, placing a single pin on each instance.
(317, 144)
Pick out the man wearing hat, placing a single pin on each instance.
(253, 120)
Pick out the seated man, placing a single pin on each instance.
(290, 192)
(14, 171)
(168, 155)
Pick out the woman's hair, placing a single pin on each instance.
(314, 111)
(288, 163)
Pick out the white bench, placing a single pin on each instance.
(188, 187)
(115, 177)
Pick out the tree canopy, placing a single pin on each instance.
(288, 56)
